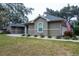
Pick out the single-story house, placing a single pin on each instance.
(47, 26)
(42, 25)
(16, 28)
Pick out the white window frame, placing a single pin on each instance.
(38, 27)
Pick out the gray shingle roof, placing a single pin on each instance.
(48, 18)
(53, 18)
(17, 25)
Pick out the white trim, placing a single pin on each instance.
(38, 27)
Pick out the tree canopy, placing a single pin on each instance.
(65, 12)
(14, 12)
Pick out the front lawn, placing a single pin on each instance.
(30, 46)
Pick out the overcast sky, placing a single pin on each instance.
(41, 5)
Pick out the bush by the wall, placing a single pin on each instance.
(23, 34)
(42, 36)
(5, 32)
(49, 36)
(67, 33)
(58, 37)
(66, 37)
(35, 35)
(28, 35)
(74, 37)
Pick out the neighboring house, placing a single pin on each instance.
(16, 28)
(47, 26)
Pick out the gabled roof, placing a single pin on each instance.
(53, 18)
(48, 18)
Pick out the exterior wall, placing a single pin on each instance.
(33, 27)
(50, 28)
(63, 30)
(45, 27)
(54, 29)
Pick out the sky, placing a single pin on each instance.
(41, 5)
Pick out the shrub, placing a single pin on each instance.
(28, 35)
(58, 37)
(35, 35)
(23, 34)
(42, 36)
(66, 37)
(74, 38)
(67, 33)
(5, 32)
(49, 36)
(76, 30)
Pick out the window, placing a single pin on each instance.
(40, 27)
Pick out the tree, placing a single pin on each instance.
(65, 12)
(76, 27)
(14, 12)
(3, 15)
(51, 12)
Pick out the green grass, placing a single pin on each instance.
(19, 46)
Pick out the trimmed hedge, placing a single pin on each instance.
(35, 35)
(42, 36)
(28, 35)
(23, 34)
(49, 36)
(58, 37)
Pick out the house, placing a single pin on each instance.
(47, 26)
(42, 25)
(16, 28)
